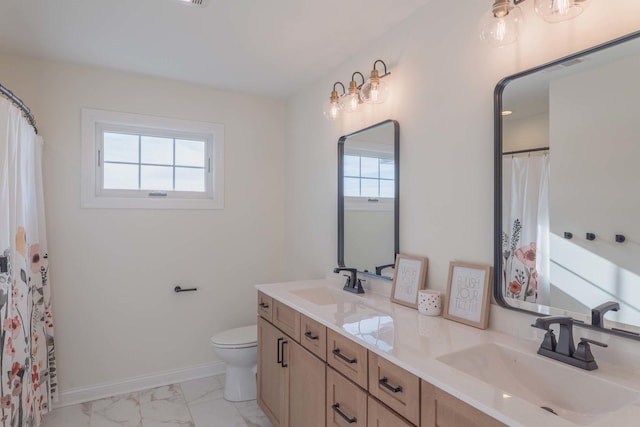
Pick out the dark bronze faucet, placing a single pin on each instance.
(563, 349)
(597, 313)
(353, 284)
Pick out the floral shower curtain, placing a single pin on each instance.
(27, 362)
(525, 225)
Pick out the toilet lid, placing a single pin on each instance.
(244, 336)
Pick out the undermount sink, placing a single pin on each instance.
(579, 397)
(325, 295)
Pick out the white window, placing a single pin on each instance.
(137, 161)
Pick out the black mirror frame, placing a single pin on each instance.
(498, 148)
(396, 153)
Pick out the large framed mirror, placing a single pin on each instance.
(567, 203)
(368, 199)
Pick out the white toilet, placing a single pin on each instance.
(238, 348)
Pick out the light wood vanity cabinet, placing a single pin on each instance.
(291, 380)
(311, 376)
(440, 409)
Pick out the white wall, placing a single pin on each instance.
(113, 271)
(442, 80)
(368, 238)
(525, 133)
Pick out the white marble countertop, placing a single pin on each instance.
(415, 342)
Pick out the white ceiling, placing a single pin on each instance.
(270, 47)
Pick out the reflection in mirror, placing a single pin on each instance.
(567, 205)
(368, 199)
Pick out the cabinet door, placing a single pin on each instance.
(272, 380)
(346, 402)
(379, 415)
(440, 409)
(307, 382)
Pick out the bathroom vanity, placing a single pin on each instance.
(331, 358)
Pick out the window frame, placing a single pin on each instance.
(367, 203)
(96, 122)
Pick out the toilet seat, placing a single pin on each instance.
(244, 337)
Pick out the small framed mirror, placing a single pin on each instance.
(368, 199)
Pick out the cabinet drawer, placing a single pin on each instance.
(346, 402)
(395, 387)
(265, 305)
(347, 357)
(313, 337)
(286, 319)
(440, 409)
(379, 415)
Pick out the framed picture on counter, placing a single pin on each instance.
(408, 278)
(468, 293)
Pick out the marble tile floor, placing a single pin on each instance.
(197, 403)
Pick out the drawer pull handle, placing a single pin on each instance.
(336, 351)
(336, 408)
(309, 335)
(264, 305)
(384, 383)
(283, 364)
(279, 358)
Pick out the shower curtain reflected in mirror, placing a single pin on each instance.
(27, 362)
(525, 219)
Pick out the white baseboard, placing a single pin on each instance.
(143, 382)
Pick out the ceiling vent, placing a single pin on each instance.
(198, 3)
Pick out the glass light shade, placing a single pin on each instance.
(560, 10)
(500, 26)
(332, 109)
(351, 102)
(374, 91)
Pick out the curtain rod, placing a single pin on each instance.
(18, 103)
(526, 151)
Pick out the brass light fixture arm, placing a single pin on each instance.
(385, 65)
(353, 78)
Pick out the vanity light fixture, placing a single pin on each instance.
(559, 10)
(375, 91)
(352, 98)
(334, 106)
(501, 25)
